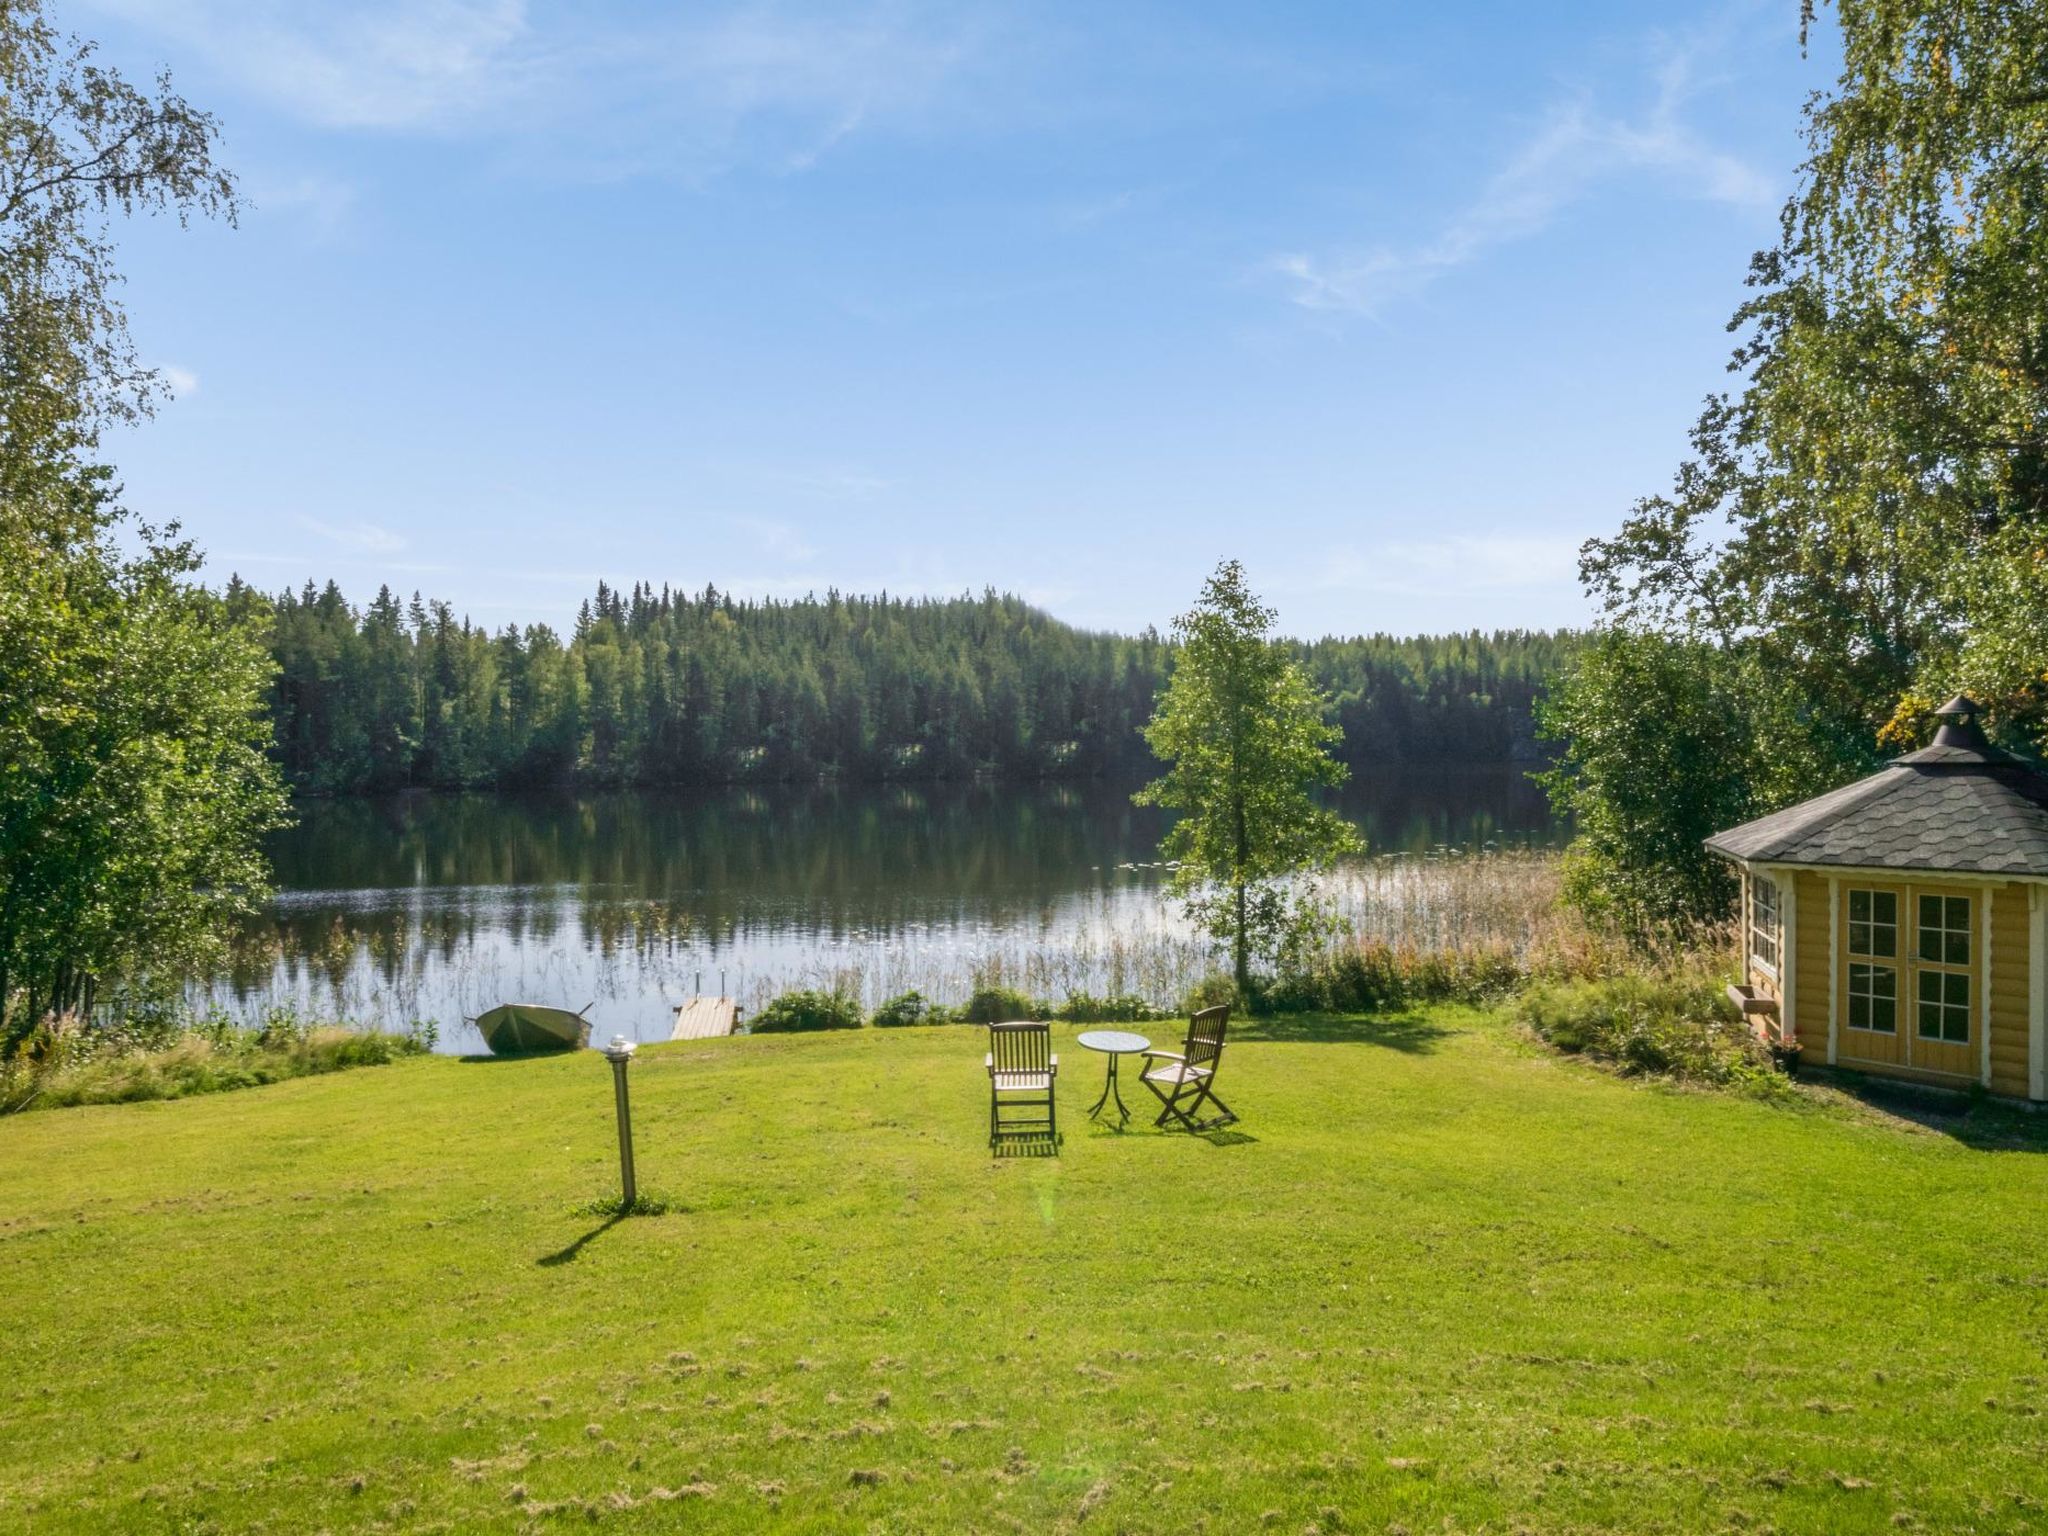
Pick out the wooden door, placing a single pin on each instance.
(1945, 1010)
(1873, 980)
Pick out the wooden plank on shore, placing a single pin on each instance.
(705, 1018)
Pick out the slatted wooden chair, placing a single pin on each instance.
(1185, 1080)
(1022, 1068)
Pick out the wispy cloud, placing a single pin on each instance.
(318, 204)
(599, 89)
(1461, 564)
(1575, 149)
(841, 484)
(369, 64)
(183, 381)
(367, 537)
(778, 541)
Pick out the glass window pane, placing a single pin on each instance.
(1885, 907)
(1956, 991)
(1930, 1021)
(1957, 950)
(1859, 939)
(1859, 1012)
(1959, 912)
(1859, 906)
(1930, 986)
(1884, 1015)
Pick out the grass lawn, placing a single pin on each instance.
(1440, 1281)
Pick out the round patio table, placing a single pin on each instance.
(1112, 1043)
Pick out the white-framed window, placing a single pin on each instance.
(1873, 998)
(1874, 924)
(1942, 997)
(1874, 951)
(1764, 927)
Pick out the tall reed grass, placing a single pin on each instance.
(1442, 924)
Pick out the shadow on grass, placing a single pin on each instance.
(1222, 1138)
(1414, 1033)
(569, 1254)
(1979, 1122)
(1025, 1146)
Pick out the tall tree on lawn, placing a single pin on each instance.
(1246, 742)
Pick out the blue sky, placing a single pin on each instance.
(1395, 303)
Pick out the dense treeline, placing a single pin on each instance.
(658, 687)
(1467, 697)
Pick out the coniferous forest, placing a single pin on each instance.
(662, 688)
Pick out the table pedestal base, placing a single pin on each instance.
(1110, 1091)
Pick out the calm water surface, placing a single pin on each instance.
(439, 906)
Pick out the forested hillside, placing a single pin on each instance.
(666, 688)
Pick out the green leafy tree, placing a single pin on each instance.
(1862, 527)
(134, 783)
(1662, 741)
(1868, 509)
(78, 145)
(1655, 736)
(1244, 735)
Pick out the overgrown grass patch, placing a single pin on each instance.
(1436, 1278)
(91, 1066)
(1672, 1022)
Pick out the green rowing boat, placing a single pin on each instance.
(521, 1029)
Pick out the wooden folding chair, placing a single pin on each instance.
(1185, 1080)
(1021, 1070)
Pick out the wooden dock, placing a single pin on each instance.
(705, 1018)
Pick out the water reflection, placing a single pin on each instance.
(438, 906)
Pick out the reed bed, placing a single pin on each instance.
(1479, 918)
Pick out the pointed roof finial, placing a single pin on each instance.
(1962, 704)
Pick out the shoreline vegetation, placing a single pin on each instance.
(1448, 922)
(177, 1056)
(1486, 930)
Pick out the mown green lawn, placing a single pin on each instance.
(1440, 1281)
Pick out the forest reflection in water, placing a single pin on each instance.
(439, 906)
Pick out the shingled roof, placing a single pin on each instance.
(1960, 805)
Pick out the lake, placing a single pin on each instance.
(437, 907)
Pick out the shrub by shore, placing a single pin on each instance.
(75, 1063)
(1673, 1021)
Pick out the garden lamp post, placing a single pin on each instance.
(619, 1053)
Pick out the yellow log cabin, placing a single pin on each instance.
(1899, 925)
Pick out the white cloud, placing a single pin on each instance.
(1575, 149)
(1460, 564)
(596, 89)
(778, 540)
(365, 536)
(319, 204)
(842, 484)
(369, 64)
(183, 381)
